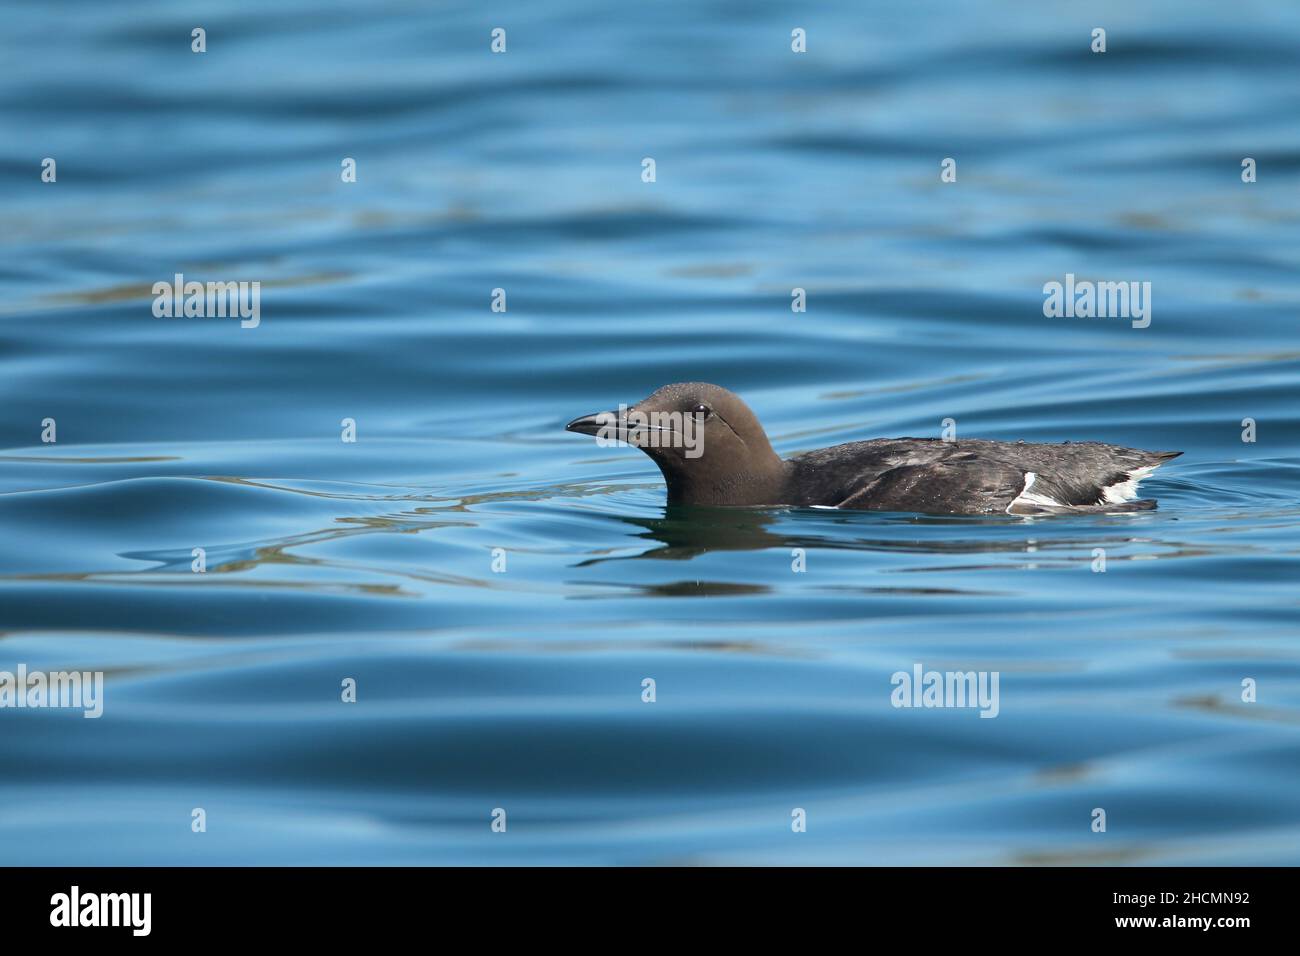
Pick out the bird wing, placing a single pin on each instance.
(978, 477)
(945, 486)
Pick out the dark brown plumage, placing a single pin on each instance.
(734, 464)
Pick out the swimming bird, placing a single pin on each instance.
(712, 450)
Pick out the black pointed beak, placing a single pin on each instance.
(593, 424)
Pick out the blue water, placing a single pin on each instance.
(521, 690)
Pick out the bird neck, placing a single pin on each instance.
(762, 483)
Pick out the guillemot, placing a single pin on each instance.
(712, 450)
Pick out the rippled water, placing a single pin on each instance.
(522, 690)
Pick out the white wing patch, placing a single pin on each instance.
(1030, 502)
(1027, 502)
(1126, 490)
